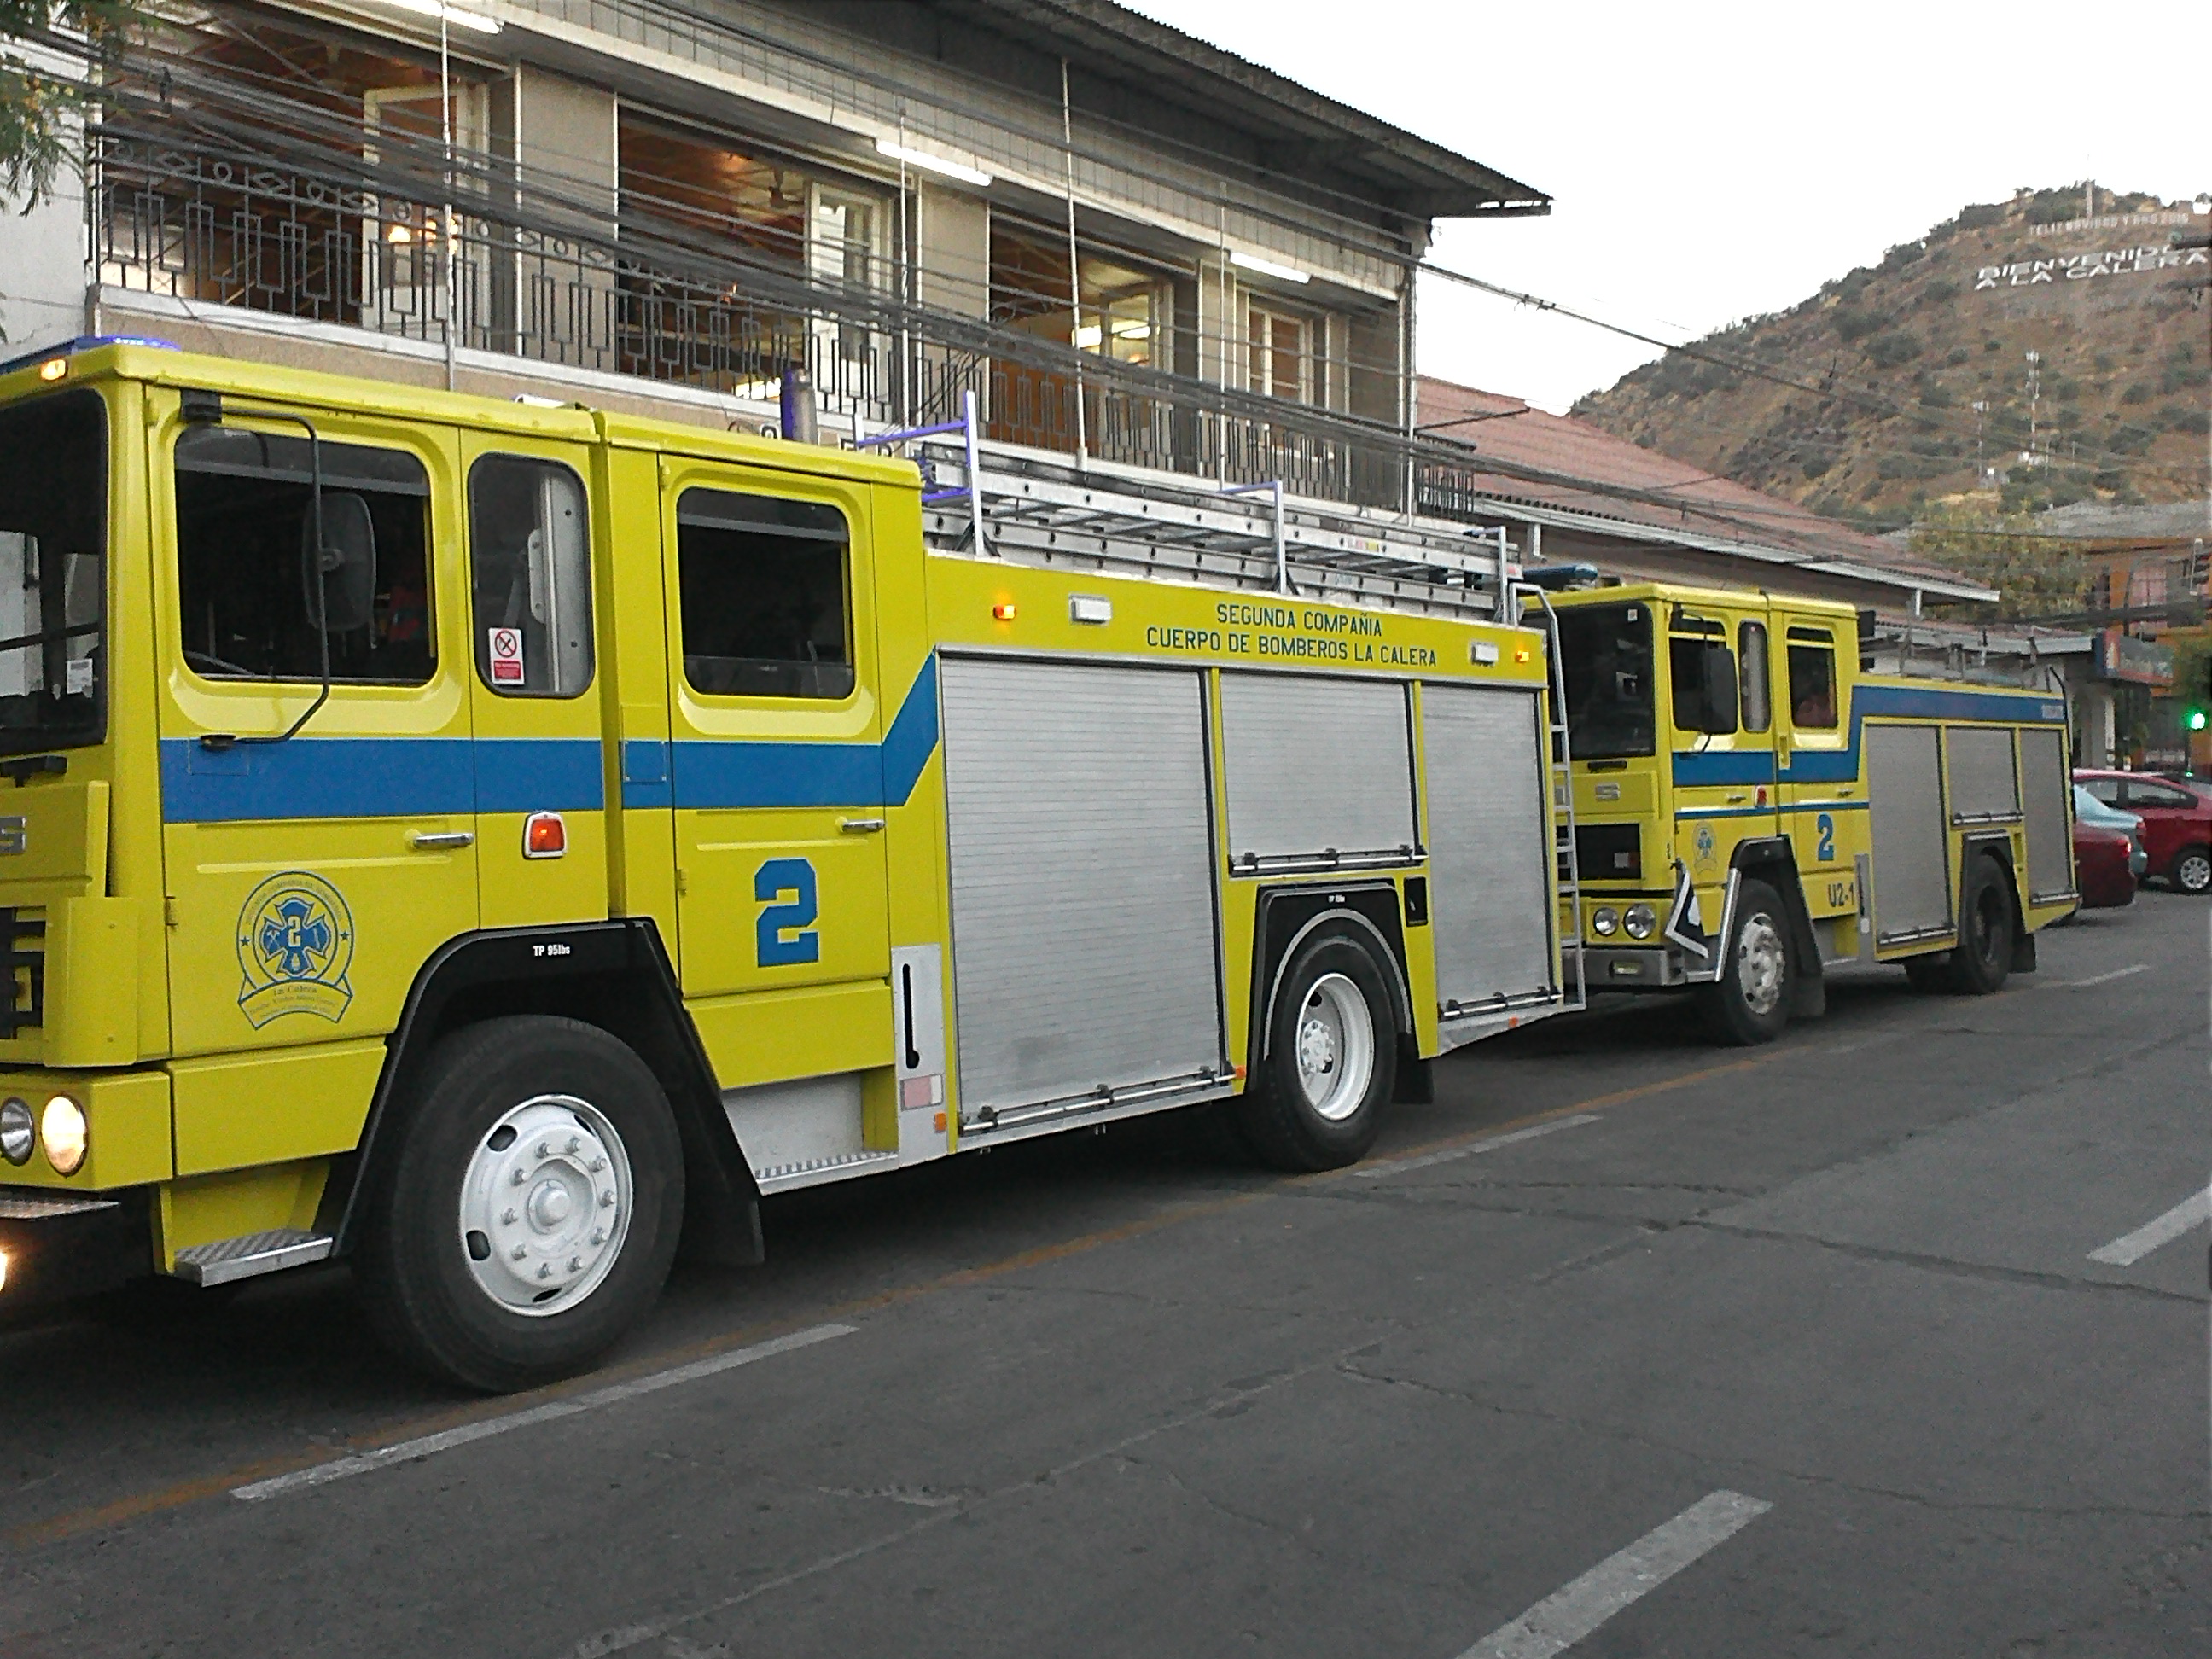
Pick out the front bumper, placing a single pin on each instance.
(1631, 968)
(60, 1245)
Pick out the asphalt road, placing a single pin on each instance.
(1669, 1349)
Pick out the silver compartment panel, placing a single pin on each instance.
(2049, 791)
(1983, 787)
(1084, 951)
(1912, 837)
(1490, 842)
(1320, 771)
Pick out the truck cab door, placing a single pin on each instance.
(308, 878)
(775, 762)
(1823, 787)
(1721, 730)
(540, 767)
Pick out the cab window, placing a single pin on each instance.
(530, 564)
(1812, 679)
(253, 593)
(1605, 658)
(1757, 690)
(765, 594)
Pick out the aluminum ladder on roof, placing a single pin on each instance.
(1034, 507)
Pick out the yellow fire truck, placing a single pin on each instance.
(1750, 808)
(487, 840)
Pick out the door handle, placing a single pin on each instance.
(860, 826)
(438, 840)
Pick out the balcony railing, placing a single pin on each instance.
(219, 230)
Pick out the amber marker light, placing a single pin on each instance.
(53, 368)
(4, 1270)
(1004, 610)
(62, 1128)
(544, 836)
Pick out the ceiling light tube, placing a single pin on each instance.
(1268, 268)
(928, 163)
(459, 17)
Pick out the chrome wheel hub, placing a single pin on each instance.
(1335, 1047)
(2194, 873)
(1761, 963)
(545, 1204)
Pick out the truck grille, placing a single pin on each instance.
(23, 961)
(1609, 852)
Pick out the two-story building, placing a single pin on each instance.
(1135, 248)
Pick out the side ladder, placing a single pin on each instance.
(1563, 791)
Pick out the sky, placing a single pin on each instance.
(1713, 161)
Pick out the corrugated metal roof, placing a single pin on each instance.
(1568, 466)
(2153, 521)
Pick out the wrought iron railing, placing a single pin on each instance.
(205, 227)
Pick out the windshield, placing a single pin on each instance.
(1605, 651)
(53, 539)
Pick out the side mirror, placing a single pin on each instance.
(339, 579)
(1718, 716)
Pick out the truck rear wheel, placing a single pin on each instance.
(531, 1208)
(1332, 1058)
(1749, 1003)
(1982, 960)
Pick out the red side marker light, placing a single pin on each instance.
(1003, 612)
(543, 835)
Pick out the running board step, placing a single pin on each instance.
(256, 1253)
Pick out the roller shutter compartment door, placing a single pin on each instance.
(1320, 772)
(1490, 845)
(1911, 838)
(2048, 791)
(1083, 903)
(1983, 787)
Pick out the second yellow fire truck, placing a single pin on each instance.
(1751, 808)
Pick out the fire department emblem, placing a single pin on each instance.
(294, 944)
(1705, 849)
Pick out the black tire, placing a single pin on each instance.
(1981, 962)
(1749, 1003)
(1930, 974)
(2192, 870)
(429, 1283)
(1333, 1000)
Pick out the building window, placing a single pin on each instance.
(1127, 309)
(1284, 354)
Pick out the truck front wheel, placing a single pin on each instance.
(531, 1207)
(1749, 1003)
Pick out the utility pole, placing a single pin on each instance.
(1981, 462)
(2034, 457)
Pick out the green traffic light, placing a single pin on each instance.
(2196, 719)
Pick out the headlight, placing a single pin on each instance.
(1640, 921)
(1604, 921)
(62, 1127)
(18, 1134)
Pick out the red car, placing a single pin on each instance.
(2100, 865)
(2177, 822)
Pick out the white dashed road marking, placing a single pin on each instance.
(1399, 1166)
(405, 1451)
(2131, 1248)
(1557, 1622)
(2095, 979)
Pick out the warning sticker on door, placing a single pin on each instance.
(507, 656)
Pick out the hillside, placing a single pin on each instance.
(1898, 355)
